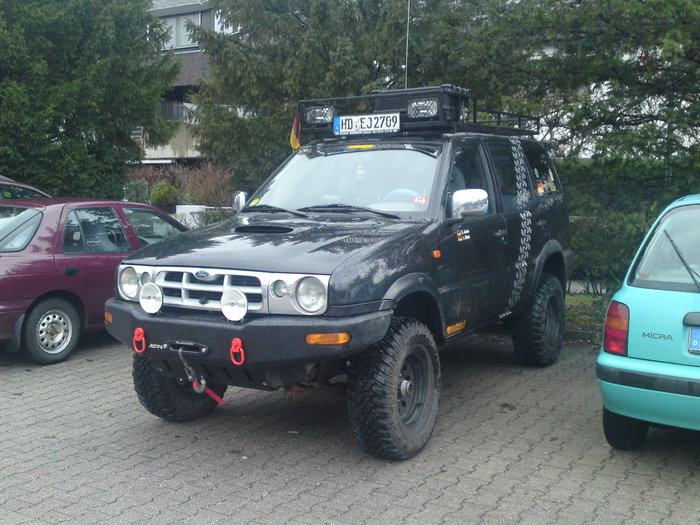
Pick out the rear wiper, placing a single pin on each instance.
(347, 208)
(271, 209)
(690, 271)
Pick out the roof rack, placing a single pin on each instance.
(438, 109)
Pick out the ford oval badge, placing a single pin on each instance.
(203, 275)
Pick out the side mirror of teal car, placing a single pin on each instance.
(649, 366)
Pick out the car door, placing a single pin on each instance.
(515, 189)
(88, 251)
(471, 269)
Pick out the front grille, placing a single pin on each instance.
(182, 289)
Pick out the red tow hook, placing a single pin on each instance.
(236, 352)
(139, 341)
(197, 386)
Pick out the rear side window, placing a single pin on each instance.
(541, 170)
(511, 170)
(17, 227)
(671, 258)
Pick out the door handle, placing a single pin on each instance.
(541, 223)
(501, 234)
(71, 272)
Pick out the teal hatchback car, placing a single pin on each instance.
(649, 366)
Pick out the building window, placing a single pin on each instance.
(179, 36)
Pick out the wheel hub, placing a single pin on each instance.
(406, 388)
(53, 332)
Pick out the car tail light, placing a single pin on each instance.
(617, 324)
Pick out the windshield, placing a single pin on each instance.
(17, 227)
(391, 177)
(671, 258)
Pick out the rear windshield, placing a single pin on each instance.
(671, 258)
(17, 227)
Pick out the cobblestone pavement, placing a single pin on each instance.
(511, 445)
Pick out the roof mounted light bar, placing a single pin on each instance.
(439, 109)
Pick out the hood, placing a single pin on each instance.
(259, 243)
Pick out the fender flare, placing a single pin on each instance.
(412, 283)
(551, 247)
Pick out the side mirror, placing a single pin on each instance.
(238, 200)
(470, 203)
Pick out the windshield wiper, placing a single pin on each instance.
(691, 272)
(347, 208)
(267, 208)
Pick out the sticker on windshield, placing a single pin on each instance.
(254, 202)
(420, 200)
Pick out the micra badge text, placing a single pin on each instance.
(654, 335)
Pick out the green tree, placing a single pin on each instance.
(610, 77)
(285, 51)
(76, 77)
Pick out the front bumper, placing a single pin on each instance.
(276, 352)
(661, 393)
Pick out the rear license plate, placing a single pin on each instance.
(366, 124)
(694, 342)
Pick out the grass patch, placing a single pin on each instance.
(585, 315)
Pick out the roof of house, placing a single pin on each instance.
(167, 4)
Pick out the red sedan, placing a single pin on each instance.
(58, 258)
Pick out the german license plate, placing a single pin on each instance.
(694, 342)
(366, 124)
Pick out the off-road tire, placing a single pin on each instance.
(167, 398)
(51, 331)
(538, 332)
(622, 432)
(386, 419)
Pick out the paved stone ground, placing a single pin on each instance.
(512, 445)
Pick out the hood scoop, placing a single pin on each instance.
(263, 228)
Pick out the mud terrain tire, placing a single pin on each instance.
(539, 331)
(166, 398)
(394, 390)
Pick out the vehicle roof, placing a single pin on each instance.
(5, 181)
(55, 201)
(688, 199)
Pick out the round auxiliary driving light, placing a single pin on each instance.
(129, 283)
(311, 294)
(234, 304)
(279, 288)
(150, 298)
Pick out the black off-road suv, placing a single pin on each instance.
(408, 221)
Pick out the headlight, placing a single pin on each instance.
(150, 298)
(280, 288)
(234, 304)
(311, 294)
(129, 283)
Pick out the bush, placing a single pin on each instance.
(164, 195)
(205, 218)
(604, 247)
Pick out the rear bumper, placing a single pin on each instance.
(275, 346)
(661, 393)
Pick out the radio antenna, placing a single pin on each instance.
(408, 25)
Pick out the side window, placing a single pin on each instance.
(541, 169)
(72, 236)
(468, 169)
(511, 171)
(149, 226)
(101, 230)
